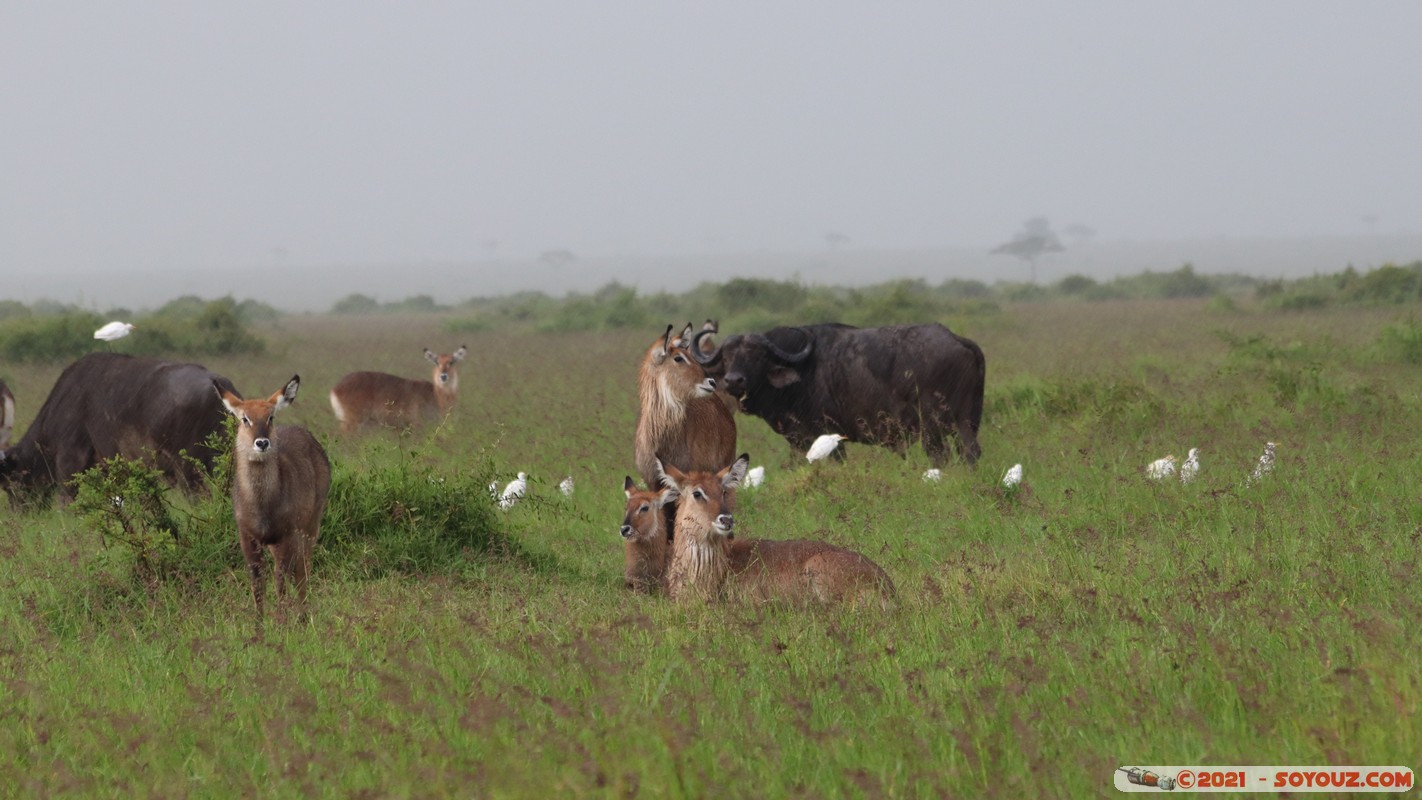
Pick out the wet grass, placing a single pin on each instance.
(1090, 620)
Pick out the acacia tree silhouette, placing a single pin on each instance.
(1034, 240)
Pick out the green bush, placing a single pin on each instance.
(356, 304)
(183, 330)
(747, 293)
(404, 517)
(62, 337)
(1401, 342)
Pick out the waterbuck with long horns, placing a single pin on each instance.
(708, 562)
(280, 480)
(379, 398)
(679, 416)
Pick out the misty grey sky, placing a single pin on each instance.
(162, 135)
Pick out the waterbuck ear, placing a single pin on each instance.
(732, 476)
(230, 402)
(628, 485)
(460, 353)
(668, 475)
(430, 356)
(780, 377)
(287, 395)
(668, 495)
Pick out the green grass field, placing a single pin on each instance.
(1092, 620)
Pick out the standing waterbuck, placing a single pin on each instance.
(379, 398)
(280, 480)
(707, 562)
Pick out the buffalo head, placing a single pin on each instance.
(753, 362)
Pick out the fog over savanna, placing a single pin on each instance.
(298, 152)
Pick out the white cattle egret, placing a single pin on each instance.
(1013, 477)
(754, 478)
(933, 475)
(114, 330)
(1191, 467)
(514, 491)
(1266, 462)
(1161, 468)
(566, 487)
(823, 446)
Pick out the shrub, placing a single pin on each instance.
(1401, 342)
(180, 330)
(356, 304)
(746, 293)
(61, 337)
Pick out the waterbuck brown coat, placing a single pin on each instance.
(708, 562)
(379, 398)
(679, 417)
(280, 481)
(110, 404)
(644, 537)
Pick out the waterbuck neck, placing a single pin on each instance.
(662, 410)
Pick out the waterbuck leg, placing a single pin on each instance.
(252, 550)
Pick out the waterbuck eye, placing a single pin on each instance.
(644, 509)
(698, 495)
(245, 420)
(680, 359)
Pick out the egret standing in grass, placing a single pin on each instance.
(823, 446)
(113, 331)
(1266, 463)
(1191, 467)
(514, 491)
(1013, 477)
(754, 477)
(932, 475)
(1161, 468)
(566, 487)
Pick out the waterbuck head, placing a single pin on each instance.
(446, 375)
(644, 535)
(670, 377)
(256, 419)
(703, 504)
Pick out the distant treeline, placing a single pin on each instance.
(190, 326)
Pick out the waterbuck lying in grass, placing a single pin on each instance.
(706, 561)
(280, 480)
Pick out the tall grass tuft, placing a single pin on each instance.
(400, 514)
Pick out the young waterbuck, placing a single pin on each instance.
(362, 398)
(280, 480)
(644, 533)
(707, 561)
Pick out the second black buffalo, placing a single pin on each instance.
(890, 386)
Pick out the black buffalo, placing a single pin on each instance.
(108, 404)
(890, 386)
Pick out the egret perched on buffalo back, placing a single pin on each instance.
(514, 491)
(823, 446)
(1191, 467)
(113, 331)
(1013, 477)
(754, 477)
(1161, 468)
